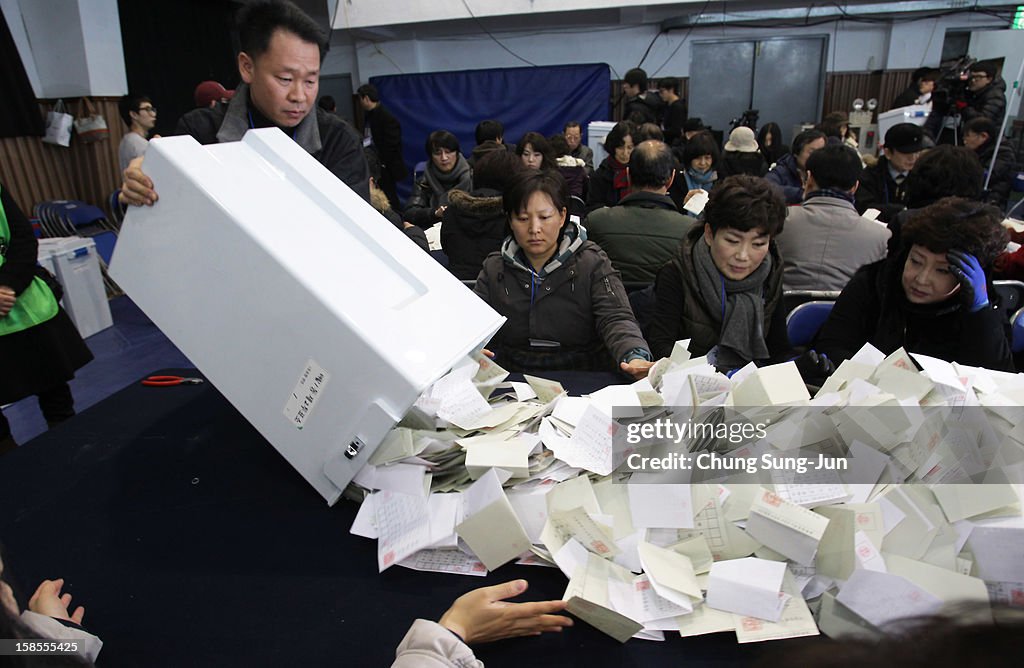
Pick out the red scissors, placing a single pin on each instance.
(167, 381)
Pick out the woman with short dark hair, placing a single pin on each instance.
(933, 296)
(446, 169)
(610, 182)
(564, 303)
(723, 290)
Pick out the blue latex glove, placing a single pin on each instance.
(972, 279)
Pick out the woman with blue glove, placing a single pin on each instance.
(932, 296)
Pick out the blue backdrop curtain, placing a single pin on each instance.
(524, 99)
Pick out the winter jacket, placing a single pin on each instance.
(873, 308)
(786, 175)
(681, 313)
(825, 241)
(572, 314)
(602, 187)
(430, 645)
(989, 102)
(474, 227)
(640, 234)
(431, 191)
(878, 190)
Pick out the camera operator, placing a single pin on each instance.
(985, 96)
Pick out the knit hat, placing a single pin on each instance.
(742, 139)
(211, 91)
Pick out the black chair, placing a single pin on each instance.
(1011, 295)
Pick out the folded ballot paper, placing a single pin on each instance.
(692, 503)
(316, 318)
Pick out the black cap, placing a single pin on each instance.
(907, 138)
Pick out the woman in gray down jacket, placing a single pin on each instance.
(565, 305)
(446, 170)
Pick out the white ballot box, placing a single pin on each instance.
(596, 132)
(319, 320)
(914, 113)
(75, 263)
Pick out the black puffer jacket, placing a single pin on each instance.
(873, 309)
(473, 228)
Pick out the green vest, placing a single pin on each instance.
(35, 305)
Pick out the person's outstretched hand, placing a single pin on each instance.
(968, 271)
(483, 615)
(48, 601)
(137, 188)
(638, 368)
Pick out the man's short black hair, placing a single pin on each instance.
(636, 77)
(258, 20)
(669, 83)
(495, 169)
(327, 103)
(985, 66)
(836, 167)
(745, 203)
(804, 138)
(368, 91)
(981, 125)
(651, 165)
(572, 124)
(130, 103)
(441, 139)
(489, 130)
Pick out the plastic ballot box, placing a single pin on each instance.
(75, 263)
(318, 320)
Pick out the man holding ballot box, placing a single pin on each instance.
(282, 49)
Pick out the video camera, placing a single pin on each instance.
(748, 118)
(951, 86)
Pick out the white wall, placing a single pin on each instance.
(853, 47)
(1008, 44)
(367, 13)
(69, 47)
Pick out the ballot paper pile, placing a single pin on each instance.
(918, 509)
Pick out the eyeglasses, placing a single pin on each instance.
(152, 109)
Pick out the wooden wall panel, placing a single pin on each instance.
(34, 171)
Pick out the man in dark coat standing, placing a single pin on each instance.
(383, 132)
(986, 95)
(882, 186)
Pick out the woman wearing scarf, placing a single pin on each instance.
(699, 159)
(564, 303)
(610, 182)
(445, 171)
(933, 295)
(723, 290)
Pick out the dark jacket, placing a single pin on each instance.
(586, 154)
(786, 175)
(602, 187)
(1003, 172)
(646, 106)
(387, 139)
(579, 317)
(480, 150)
(907, 97)
(640, 234)
(878, 190)
(735, 162)
(989, 102)
(681, 313)
(425, 198)
(474, 227)
(675, 118)
(329, 139)
(873, 309)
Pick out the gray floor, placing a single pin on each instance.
(133, 348)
